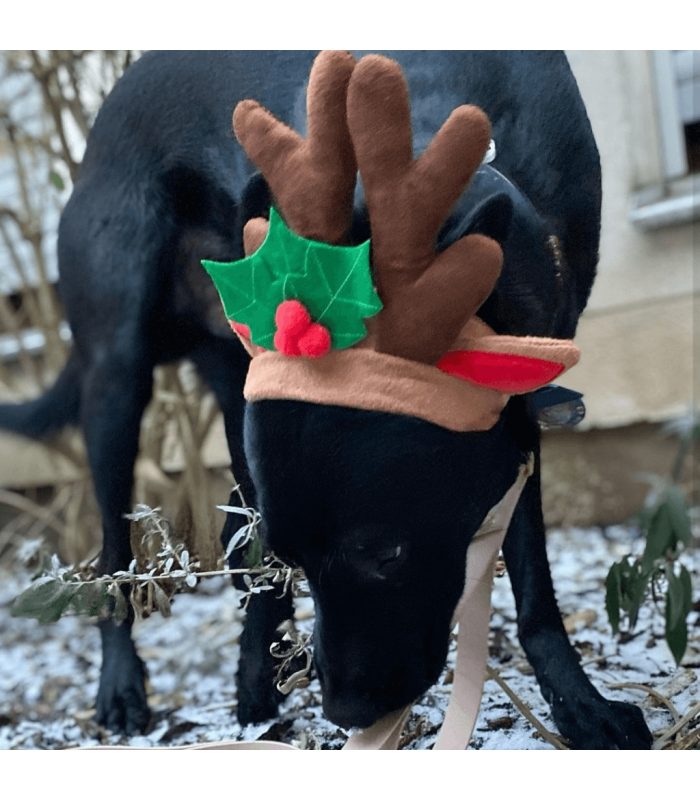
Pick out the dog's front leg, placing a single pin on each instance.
(258, 698)
(581, 713)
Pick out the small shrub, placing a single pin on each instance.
(665, 522)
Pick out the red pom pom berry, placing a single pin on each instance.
(286, 344)
(292, 318)
(297, 335)
(315, 342)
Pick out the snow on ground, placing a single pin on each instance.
(49, 674)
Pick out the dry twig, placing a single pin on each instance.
(525, 710)
(674, 729)
(657, 695)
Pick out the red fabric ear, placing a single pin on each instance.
(241, 330)
(503, 372)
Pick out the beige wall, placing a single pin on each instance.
(636, 336)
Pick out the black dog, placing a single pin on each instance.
(370, 505)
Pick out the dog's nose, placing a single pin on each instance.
(343, 708)
(351, 712)
(345, 704)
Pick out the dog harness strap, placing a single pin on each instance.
(473, 615)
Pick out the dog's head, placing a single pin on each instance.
(378, 509)
(378, 429)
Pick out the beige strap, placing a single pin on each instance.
(226, 745)
(473, 614)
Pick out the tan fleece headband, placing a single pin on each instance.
(399, 334)
(361, 378)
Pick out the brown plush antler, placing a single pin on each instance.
(313, 179)
(427, 297)
(425, 354)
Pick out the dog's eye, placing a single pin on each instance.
(388, 556)
(377, 562)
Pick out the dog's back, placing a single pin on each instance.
(163, 178)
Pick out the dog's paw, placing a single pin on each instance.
(121, 703)
(258, 699)
(121, 699)
(599, 724)
(253, 708)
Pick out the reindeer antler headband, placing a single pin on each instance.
(306, 307)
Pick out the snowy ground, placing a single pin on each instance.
(48, 674)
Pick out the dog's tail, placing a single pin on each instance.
(58, 407)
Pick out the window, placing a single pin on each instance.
(676, 76)
(687, 72)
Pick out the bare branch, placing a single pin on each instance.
(45, 76)
(75, 104)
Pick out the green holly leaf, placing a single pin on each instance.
(333, 283)
(336, 289)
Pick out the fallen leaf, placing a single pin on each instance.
(579, 620)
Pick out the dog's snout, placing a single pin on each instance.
(351, 710)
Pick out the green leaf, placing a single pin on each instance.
(675, 600)
(666, 525)
(625, 588)
(338, 293)
(644, 517)
(57, 180)
(687, 591)
(613, 591)
(679, 601)
(91, 599)
(659, 535)
(254, 552)
(635, 579)
(45, 600)
(333, 283)
(251, 289)
(678, 514)
(677, 640)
